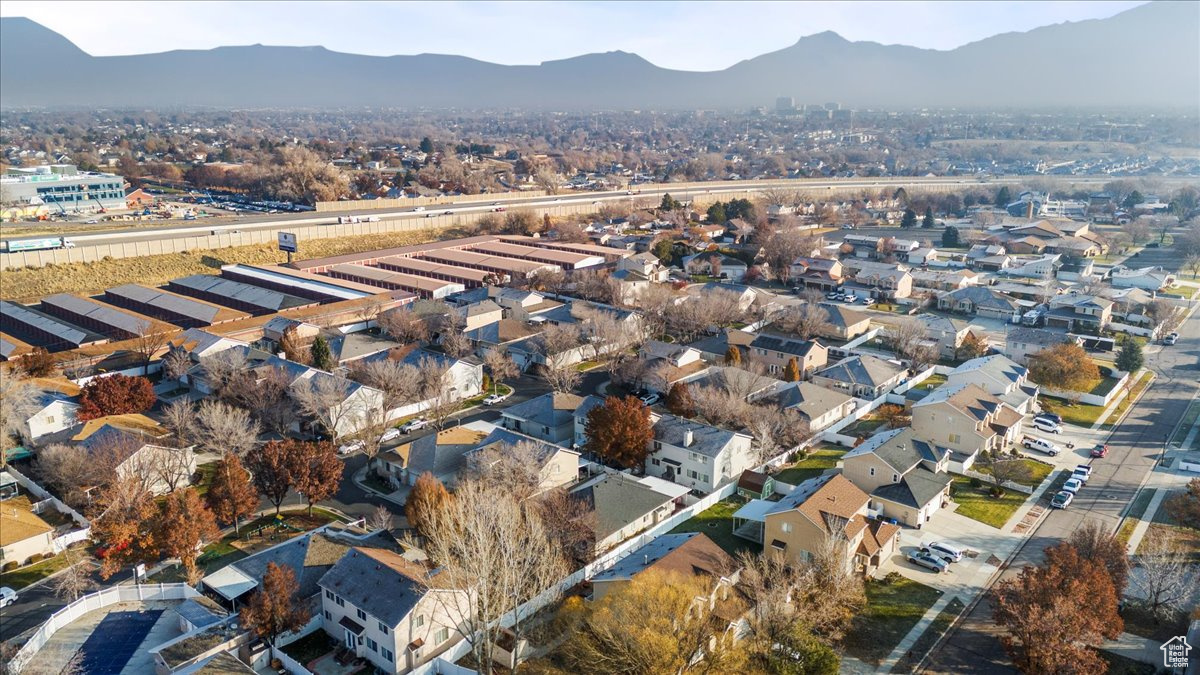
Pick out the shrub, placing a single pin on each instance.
(891, 578)
(9, 566)
(35, 558)
(975, 482)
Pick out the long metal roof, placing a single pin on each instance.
(178, 305)
(304, 283)
(118, 320)
(20, 315)
(237, 291)
(423, 267)
(492, 262)
(548, 255)
(401, 279)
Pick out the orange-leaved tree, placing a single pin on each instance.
(185, 524)
(115, 395)
(620, 431)
(274, 608)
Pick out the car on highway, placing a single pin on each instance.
(1048, 426)
(389, 435)
(447, 213)
(415, 424)
(1101, 450)
(929, 562)
(351, 448)
(493, 399)
(419, 209)
(1062, 500)
(7, 596)
(92, 221)
(1041, 445)
(498, 209)
(1073, 485)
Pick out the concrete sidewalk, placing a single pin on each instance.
(1135, 647)
(1145, 520)
(907, 642)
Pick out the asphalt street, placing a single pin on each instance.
(1134, 449)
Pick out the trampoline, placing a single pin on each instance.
(114, 641)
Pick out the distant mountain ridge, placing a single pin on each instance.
(1147, 56)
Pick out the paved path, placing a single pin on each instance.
(1143, 525)
(1135, 647)
(907, 642)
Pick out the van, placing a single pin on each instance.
(1049, 426)
(943, 550)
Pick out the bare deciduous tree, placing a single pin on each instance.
(559, 342)
(1164, 579)
(326, 399)
(148, 342)
(783, 248)
(68, 470)
(805, 321)
(221, 367)
(500, 367)
(497, 552)
(176, 364)
(179, 416)
(453, 338)
(513, 467)
(399, 382)
(224, 429)
(18, 401)
(404, 324)
(380, 519)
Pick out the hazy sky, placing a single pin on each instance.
(683, 35)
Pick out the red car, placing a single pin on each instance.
(1100, 451)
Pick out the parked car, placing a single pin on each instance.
(941, 549)
(1101, 450)
(832, 295)
(351, 448)
(415, 424)
(493, 399)
(1062, 500)
(1170, 340)
(929, 562)
(650, 399)
(390, 435)
(1083, 471)
(850, 297)
(7, 596)
(1049, 426)
(1041, 445)
(1072, 485)
(1053, 417)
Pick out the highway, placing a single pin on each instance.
(155, 231)
(1134, 448)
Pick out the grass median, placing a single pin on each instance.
(978, 504)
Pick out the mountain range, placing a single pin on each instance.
(1148, 56)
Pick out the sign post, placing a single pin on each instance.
(287, 242)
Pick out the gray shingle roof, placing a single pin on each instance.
(916, 489)
(618, 500)
(861, 370)
(550, 409)
(707, 440)
(379, 582)
(899, 449)
(811, 399)
(773, 343)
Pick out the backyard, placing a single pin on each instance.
(975, 502)
(310, 647)
(717, 522)
(820, 460)
(893, 608)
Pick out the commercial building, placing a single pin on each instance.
(114, 323)
(236, 294)
(179, 310)
(298, 283)
(42, 330)
(64, 188)
(426, 287)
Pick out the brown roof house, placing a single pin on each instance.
(832, 509)
(23, 533)
(966, 419)
(905, 476)
(689, 553)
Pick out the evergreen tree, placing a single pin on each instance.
(322, 358)
(792, 372)
(716, 213)
(910, 219)
(950, 237)
(1130, 357)
(426, 145)
(668, 203)
(1003, 197)
(927, 222)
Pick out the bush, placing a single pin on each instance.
(9, 566)
(35, 558)
(891, 578)
(975, 482)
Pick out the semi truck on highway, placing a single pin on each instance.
(35, 244)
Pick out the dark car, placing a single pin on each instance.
(1053, 417)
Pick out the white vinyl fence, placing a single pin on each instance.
(93, 601)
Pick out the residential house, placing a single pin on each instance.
(667, 364)
(556, 466)
(776, 351)
(1082, 313)
(135, 444)
(1021, 343)
(729, 378)
(863, 376)
(1146, 278)
(379, 606)
(706, 233)
(623, 506)
(821, 273)
(499, 335)
(549, 417)
(714, 347)
(885, 280)
(686, 553)
(478, 314)
(803, 523)
(520, 304)
(940, 280)
(589, 402)
(947, 333)
(276, 328)
(980, 301)
(1076, 269)
(716, 265)
(646, 265)
(819, 406)
(905, 475)
(922, 256)
(23, 534)
(843, 323)
(697, 455)
(965, 419)
(1045, 267)
(442, 454)
(53, 412)
(999, 376)
(984, 251)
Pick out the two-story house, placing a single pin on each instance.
(554, 466)
(442, 454)
(647, 265)
(905, 475)
(819, 406)
(863, 376)
(1084, 313)
(389, 610)
(981, 301)
(804, 522)
(999, 376)
(698, 455)
(53, 412)
(668, 363)
(776, 351)
(821, 273)
(967, 420)
(947, 333)
(1021, 343)
(885, 280)
(690, 553)
(549, 417)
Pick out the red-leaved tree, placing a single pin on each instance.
(316, 472)
(115, 395)
(620, 431)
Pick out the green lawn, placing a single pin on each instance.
(863, 427)
(1121, 665)
(584, 366)
(936, 379)
(815, 464)
(717, 522)
(1104, 386)
(20, 578)
(977, 504)
(892, 610)
(1135, 391)
(1082, 414)
(204, 481)
(930, 637)
(1037, 470)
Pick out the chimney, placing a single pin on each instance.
(688, 437)
(646, 559)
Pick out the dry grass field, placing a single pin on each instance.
(31, 284)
